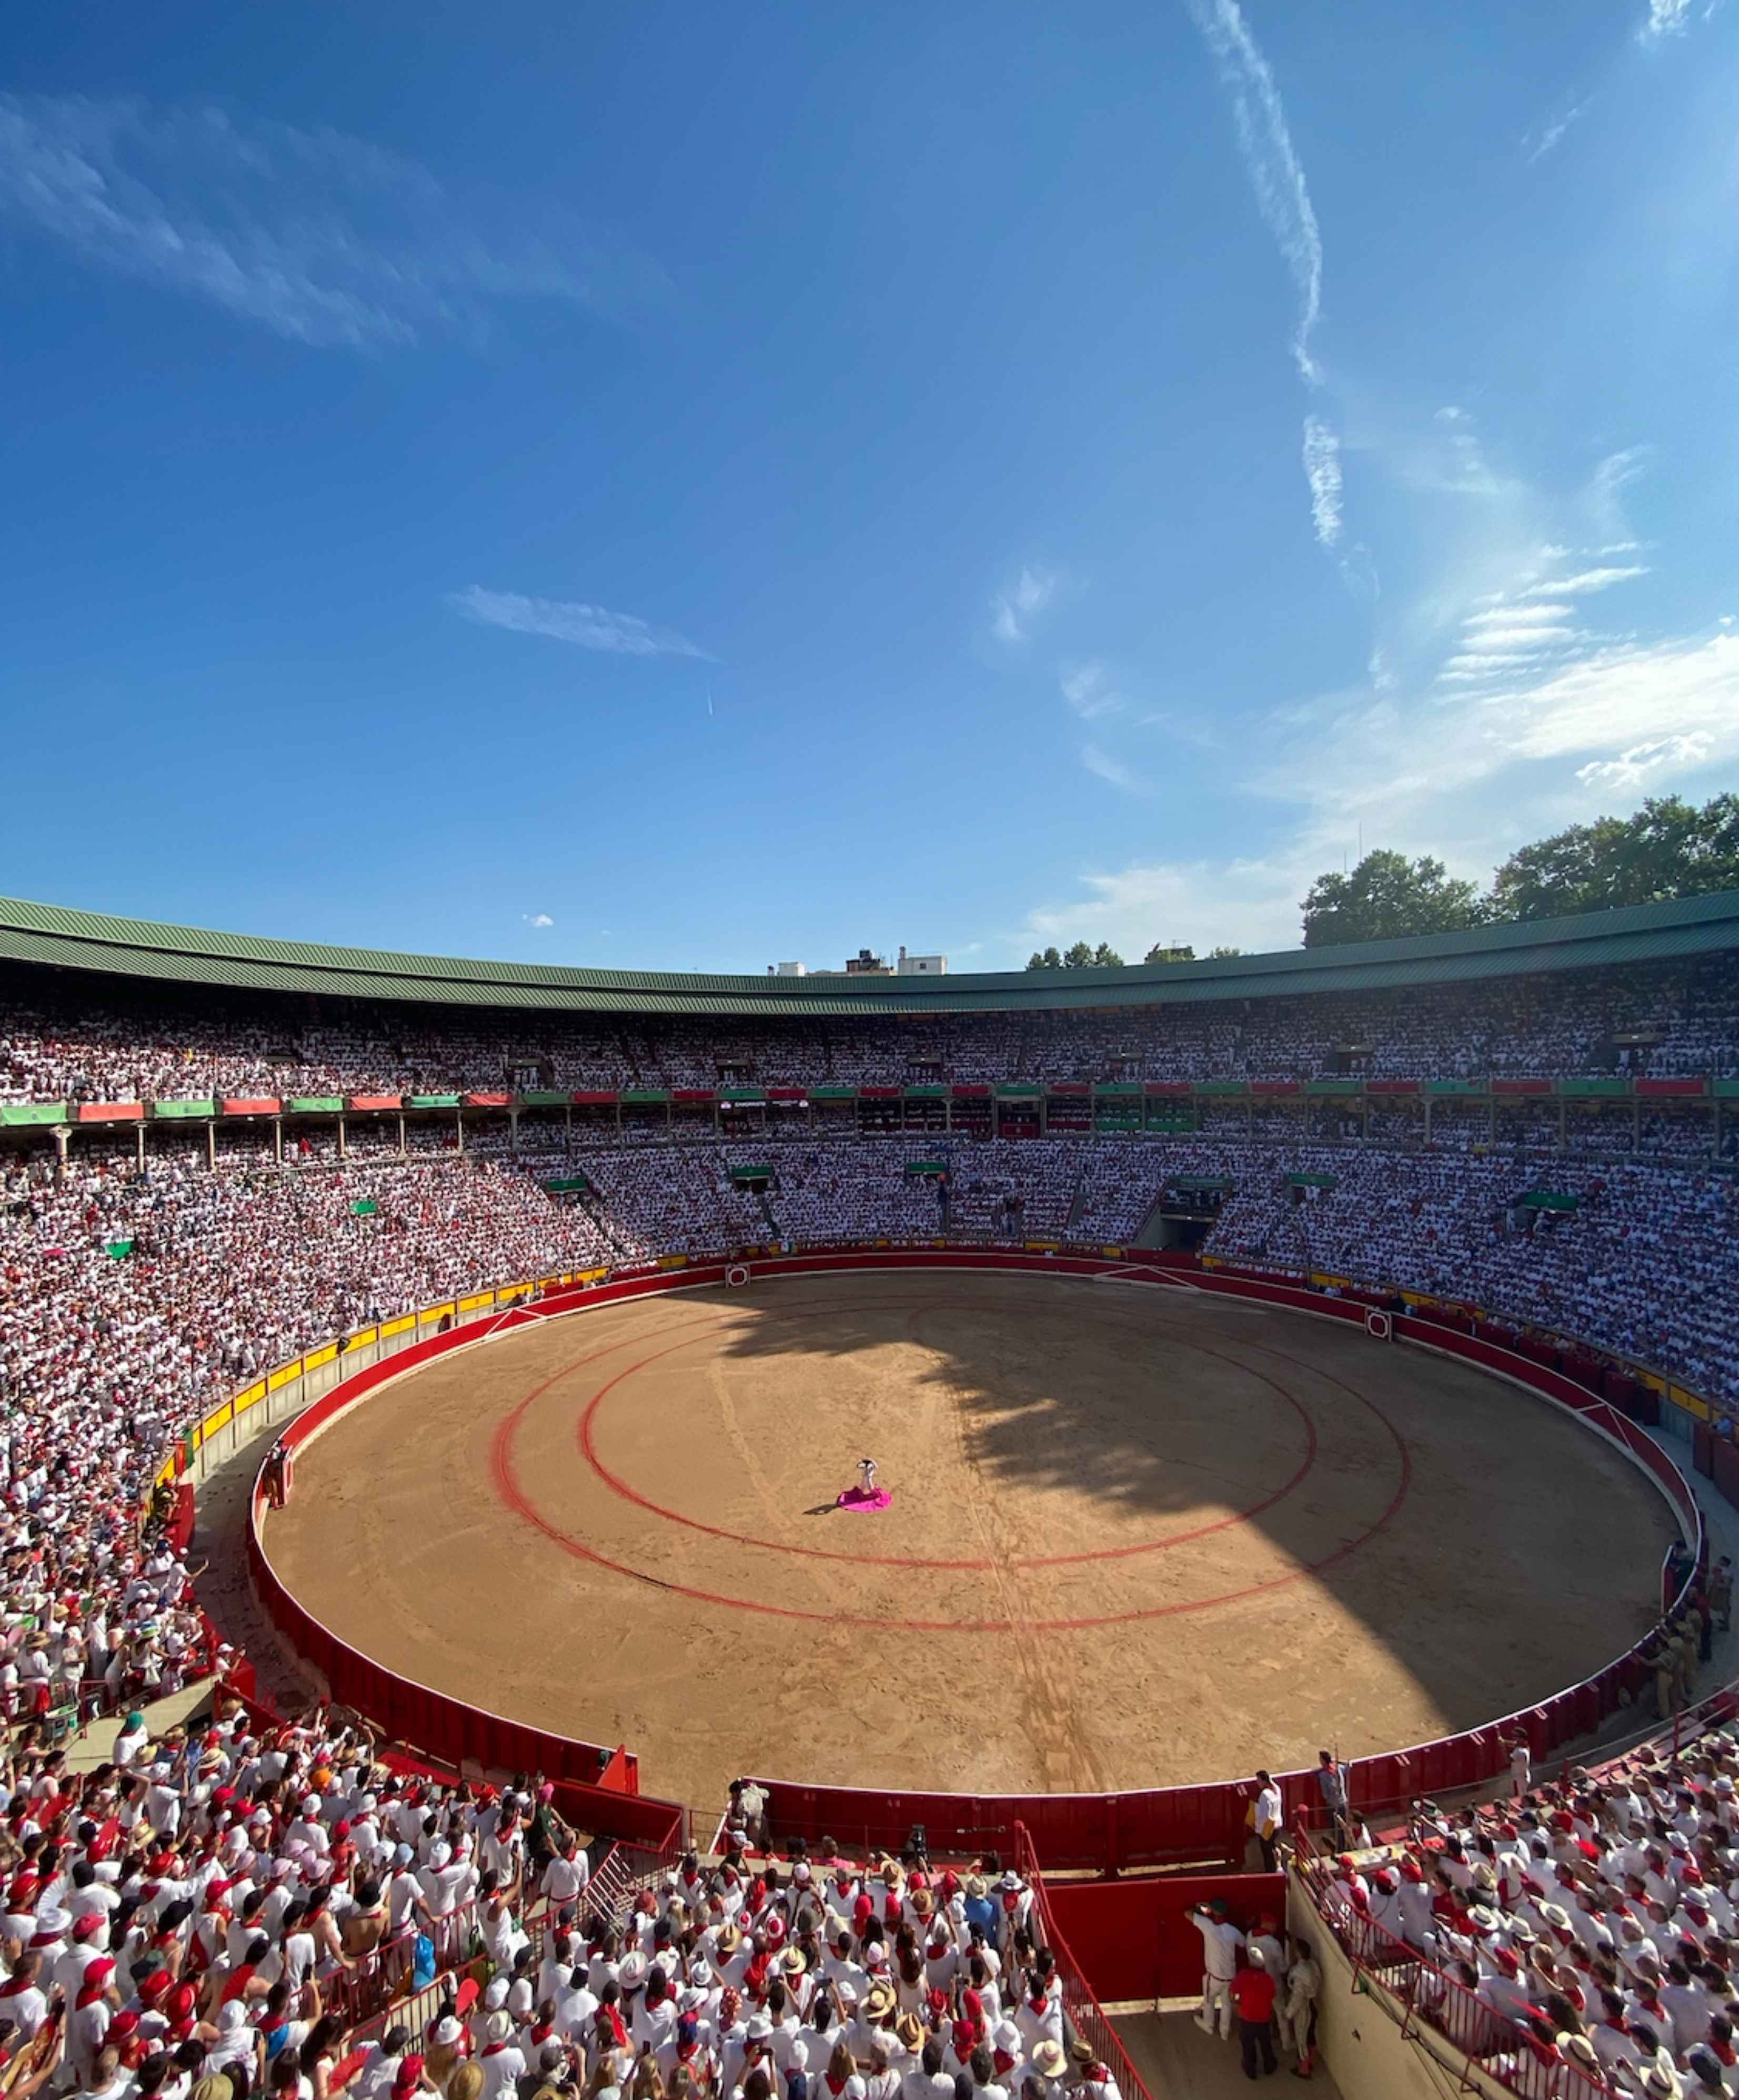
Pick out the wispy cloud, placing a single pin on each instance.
(586, 626)
(1585, 581)
(1632, 767)
(1283, 196)
(1014, 609)
(1250, 904)
(538, 919)
(1537, 145)
(321, 237)
(1322, 465)
(1666, 18)
(1265, 143)
(1112, 770)
(1086, 689)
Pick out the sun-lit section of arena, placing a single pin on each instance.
(840, 1527)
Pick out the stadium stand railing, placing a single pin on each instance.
(1086, 2016)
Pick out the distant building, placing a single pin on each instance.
(867, 963)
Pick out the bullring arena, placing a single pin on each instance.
(1246, 1376)
(1139, 1536)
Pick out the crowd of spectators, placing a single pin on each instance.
(202, 1916)
(121, 1044)
(192, 1901)
(1586, 1928)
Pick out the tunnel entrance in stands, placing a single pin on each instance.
(1187, 1209)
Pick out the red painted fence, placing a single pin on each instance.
(1149, 1828)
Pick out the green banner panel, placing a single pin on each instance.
(832, 1093)
(1197, 1184)
(431, 1100)
(119, 1250)
(645, 1097)
(1549, 1199)
(932, 1166)
(314, 1103)
(1310, 1181)
(926, 1093)
(1600, 1090)
(1333, 1086)
(542, 1098)
(183, 1111)
(568, 1184)
(18, 1114)
(750, 1095)
(364, 1206)
(1458, 1087)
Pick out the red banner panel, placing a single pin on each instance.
(1392, 1086)
(1662, 1090)
(786, 1094)
(1274, 1087)
(488, 1100)
(600, 1098)
(970, 1093)
(882, 1093)
(692, 1094)
(367, 1102)
(1172, 1089)
(263, 1106)
(109, 1112)
(1521, 1086)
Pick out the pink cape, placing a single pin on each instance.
(857, 1498)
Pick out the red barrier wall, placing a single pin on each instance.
(1133, 1939)
(1109, 1832)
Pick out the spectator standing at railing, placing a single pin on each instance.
(1331, 1784)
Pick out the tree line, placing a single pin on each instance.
(1669, 849)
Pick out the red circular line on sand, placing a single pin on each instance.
(617, 1485)
(509, 1488)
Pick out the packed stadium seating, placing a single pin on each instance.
(1666, 1019)
(148, 1269)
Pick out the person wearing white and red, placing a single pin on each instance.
(1221, 1944)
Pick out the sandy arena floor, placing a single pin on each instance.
(1138, 1536)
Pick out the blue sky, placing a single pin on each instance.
(692, 486)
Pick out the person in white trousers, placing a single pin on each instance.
(1222, 1943)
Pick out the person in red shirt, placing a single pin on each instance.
(1253, 1991)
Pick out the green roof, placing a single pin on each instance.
(53, 935)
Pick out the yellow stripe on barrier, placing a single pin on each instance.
(364, 1336)
(471, 1304)
(282, 1375)
(221, 1419)
(673, 1261)
(251, 1397)
(430, 1313)
(315, 1358)
(401, 1326)
(588, 1276)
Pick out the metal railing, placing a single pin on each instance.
(1086, 2016)
(1425, 1998)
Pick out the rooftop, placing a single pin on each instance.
(54, 936)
